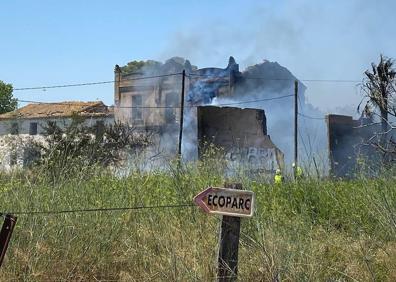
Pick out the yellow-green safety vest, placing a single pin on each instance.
(299, 172)
(278, 179)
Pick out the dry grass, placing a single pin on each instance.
(318, 231)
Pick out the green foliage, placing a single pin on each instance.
(136, 66)
(77, 148)
(7, 102)
(379, 86)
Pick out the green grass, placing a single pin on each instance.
(307, 231)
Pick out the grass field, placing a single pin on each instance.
(307, 231)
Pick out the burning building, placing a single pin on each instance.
(149, 97)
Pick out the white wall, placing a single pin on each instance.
(16, 144)
(24, 124)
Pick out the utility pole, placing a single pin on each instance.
(181, 115)
(295, 127)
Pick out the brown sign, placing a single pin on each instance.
(225, 201)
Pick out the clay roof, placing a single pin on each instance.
(61, 109)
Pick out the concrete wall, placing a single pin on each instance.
(242, 133)
(349, 144)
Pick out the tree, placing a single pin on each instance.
(7, 102)
(379, 87)
(136, 66)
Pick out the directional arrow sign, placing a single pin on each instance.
(225, 201)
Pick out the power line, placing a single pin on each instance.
(302, 140)
(309, 117)
(306, 116)
(254, 101)
(306, 80)
(305, 127)
(62, 86)
(92, 83)
(179, 73)
(332, 80)
(96, 210)
(162, 107)
(282, 79)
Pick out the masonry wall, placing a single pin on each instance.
(160, 89)
(348, 143)
(242, 133)
(160, 100)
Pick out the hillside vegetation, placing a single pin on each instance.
(312, 230)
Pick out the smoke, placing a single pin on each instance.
(312, 133)
(315, 40)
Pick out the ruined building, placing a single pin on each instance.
(351, 147)
(149, 102)
(246, 146)
(149, 98)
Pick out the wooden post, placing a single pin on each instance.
(5, 234)
(295, 127)
(229, 244)
(181, 114)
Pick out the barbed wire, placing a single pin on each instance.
(84, 210)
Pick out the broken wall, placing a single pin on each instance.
(349, 145)
(242, 134)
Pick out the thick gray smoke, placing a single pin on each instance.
(266, 86)
(270, 87)
(314, 39)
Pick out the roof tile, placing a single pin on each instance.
(61, 109)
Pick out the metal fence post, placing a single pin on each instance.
(5, 234)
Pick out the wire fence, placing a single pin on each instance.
(103, 209)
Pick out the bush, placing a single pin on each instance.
(78, 149)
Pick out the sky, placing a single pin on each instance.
(46, 42)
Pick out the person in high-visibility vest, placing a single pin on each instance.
(298, 172)
(278, 178)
